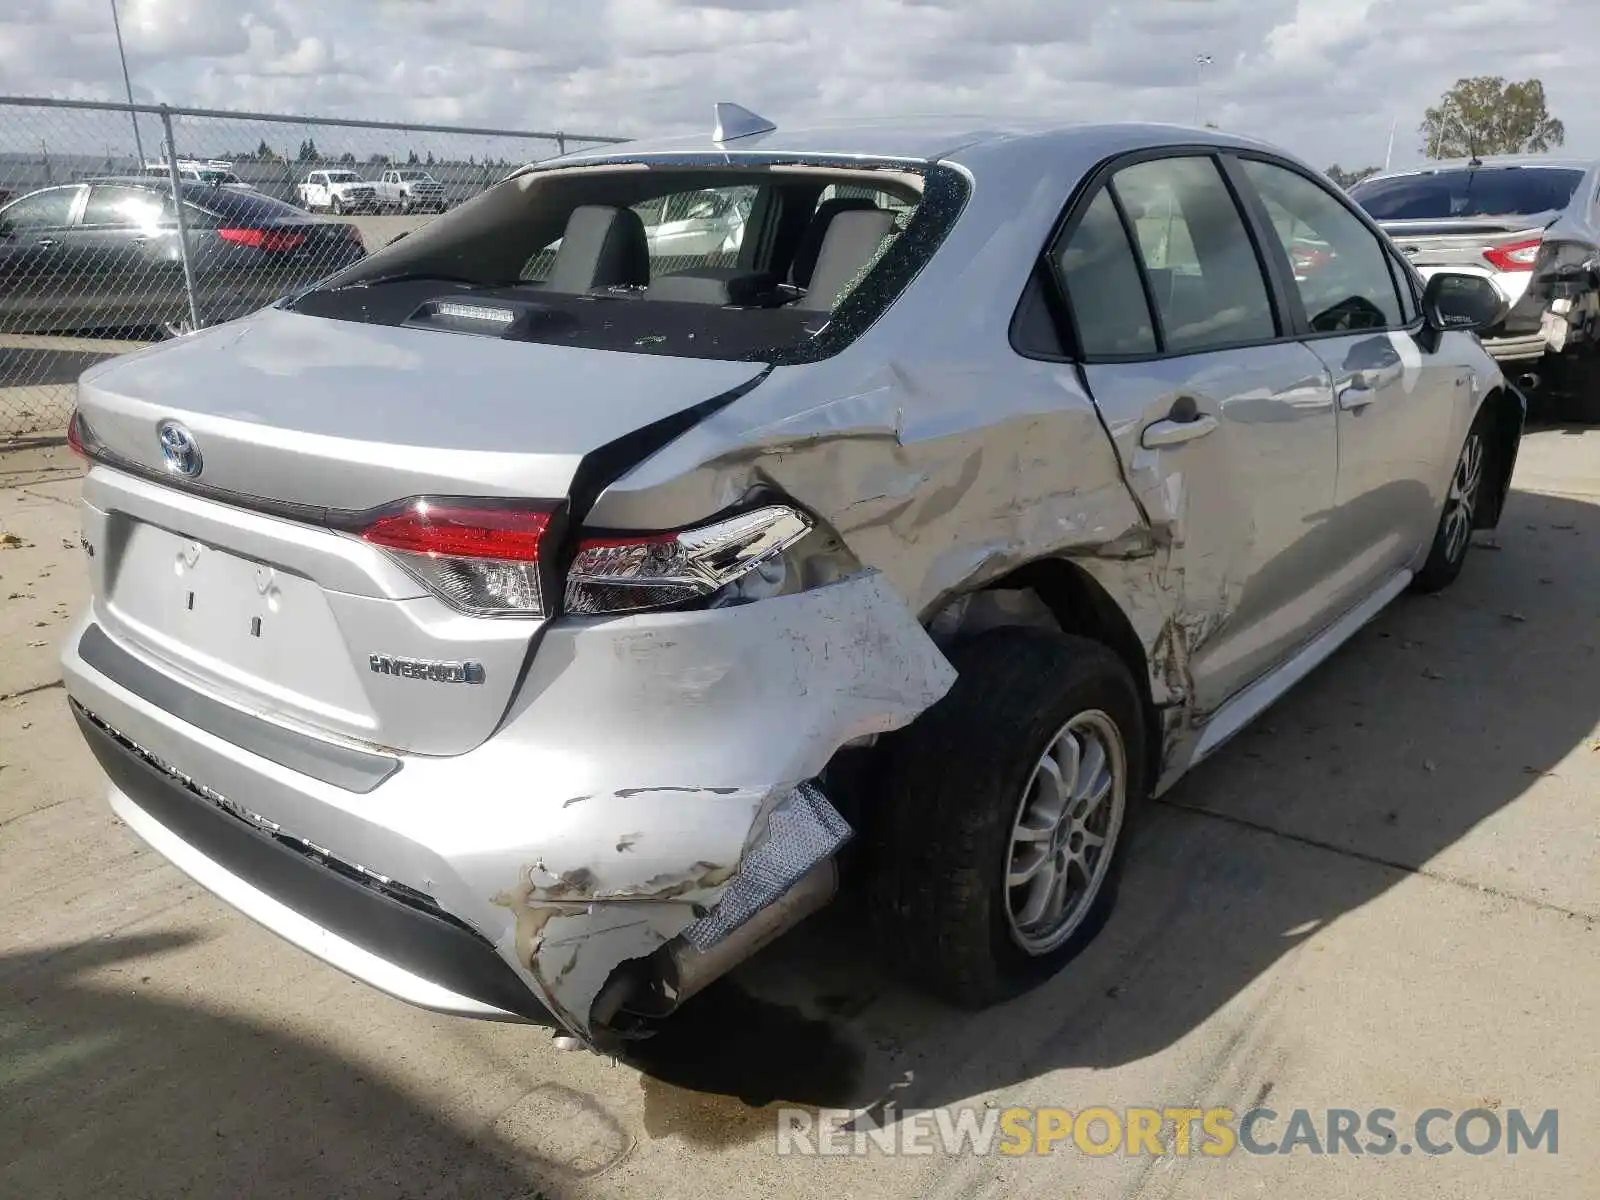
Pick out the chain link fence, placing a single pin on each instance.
(123, 224)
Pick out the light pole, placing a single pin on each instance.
(1201, 62)
(127, 84)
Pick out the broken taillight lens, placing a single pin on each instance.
(480, 559)
(75, 441)
(631, 572)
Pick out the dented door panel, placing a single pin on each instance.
(1243, 509)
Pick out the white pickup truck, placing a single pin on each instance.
(411, 190)
(337, 192)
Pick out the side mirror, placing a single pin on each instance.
(1460, 301)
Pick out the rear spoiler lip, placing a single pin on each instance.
(1469, 226)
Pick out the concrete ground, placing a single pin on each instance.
(1383, 896)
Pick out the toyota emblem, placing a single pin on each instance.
(179, 449)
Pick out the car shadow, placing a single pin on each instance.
(1428, 722)
(110, 1090)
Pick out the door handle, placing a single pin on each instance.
(46, 242)
(1175, 433)
(1357, 394)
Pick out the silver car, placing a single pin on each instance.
(538, 635)
(1531, 225)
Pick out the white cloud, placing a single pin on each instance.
(1323, 78)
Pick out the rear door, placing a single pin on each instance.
(126, 245)
(1397, 402)
(1224, 423)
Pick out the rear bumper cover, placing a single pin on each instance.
(636, 778)
(419, 955)
(1516, 348)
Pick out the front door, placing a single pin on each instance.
(33, 269)
(1396, 401)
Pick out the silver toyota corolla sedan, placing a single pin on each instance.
(538, 632)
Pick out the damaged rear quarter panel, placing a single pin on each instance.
(642, 759)
(941, 456)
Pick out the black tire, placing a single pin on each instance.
(1447, 555)
(953, 783)
(336, 206)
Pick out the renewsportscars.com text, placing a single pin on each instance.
(1212, 1132)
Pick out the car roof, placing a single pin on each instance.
(922, 140)
(1490, 160)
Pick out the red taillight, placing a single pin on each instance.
(479, 558)
(1517, 256)
(507, 534)
(75, 435)
(275, 240)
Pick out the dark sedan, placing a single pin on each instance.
(105, 254)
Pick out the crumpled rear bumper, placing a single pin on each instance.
(650, 767)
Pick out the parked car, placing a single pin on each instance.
(925, 553)
(209, 171)
(411, 190)
(1530, 225)
(696, 224)
(106, 255)
(337, 192)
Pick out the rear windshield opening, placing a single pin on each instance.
(1468, 192)
(766, 261)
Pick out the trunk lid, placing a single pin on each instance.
(237, 583)
(349, 416)
(1460, 242)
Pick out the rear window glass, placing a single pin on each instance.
(1468, 192)
(241, 206)
(701, 227)
(774, 261)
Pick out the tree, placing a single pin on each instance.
(1486, 115)
(1348, 179)
(412, 159)
(264, 151)
(308, 151)
(430, 158)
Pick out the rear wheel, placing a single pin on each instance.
(1453, 538)
(995, 854)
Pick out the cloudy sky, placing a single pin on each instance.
(1323, 77)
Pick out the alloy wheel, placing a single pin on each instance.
(1461, 504)
(1065, 832)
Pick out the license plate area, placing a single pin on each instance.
(247, 628)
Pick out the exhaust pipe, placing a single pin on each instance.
(661, 983)
(1528, 382)
(695, 970)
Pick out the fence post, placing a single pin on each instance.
(561, 144)
(183, 224)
